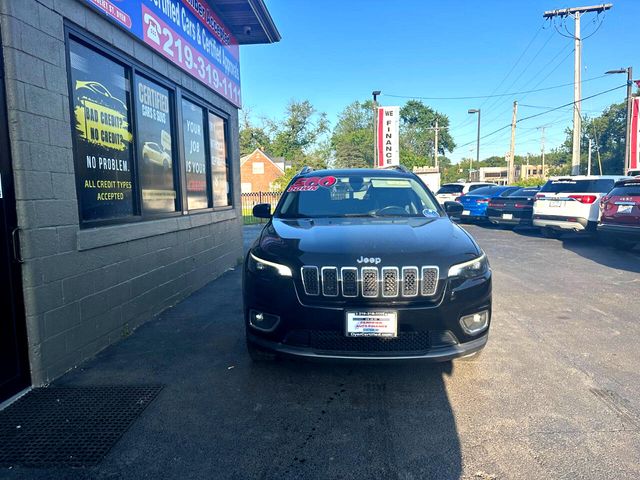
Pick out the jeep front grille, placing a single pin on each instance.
(370, 282)
(310, 280)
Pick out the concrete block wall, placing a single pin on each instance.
(85, 289)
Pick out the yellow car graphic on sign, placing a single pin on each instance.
(101, 118)
(156, 154)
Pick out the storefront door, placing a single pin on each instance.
(14, 362)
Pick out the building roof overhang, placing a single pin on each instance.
(249, 20)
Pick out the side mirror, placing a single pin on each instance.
(453, 209)
(263, 210)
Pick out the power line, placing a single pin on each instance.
(544, 113)
(490, 96)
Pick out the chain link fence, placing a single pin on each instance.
(254, 198)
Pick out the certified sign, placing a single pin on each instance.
(388, 136)
(188, 34)
(372, 324)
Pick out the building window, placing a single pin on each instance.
(257, 168)
(220, 175)
(155, 149)
(101, 100)
(129, 157)
(194, 155)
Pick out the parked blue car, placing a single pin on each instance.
(475, 203)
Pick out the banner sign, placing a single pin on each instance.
(634, 157)
(388, 136)
(187, 33)
(102, 135)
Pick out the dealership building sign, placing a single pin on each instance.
(187, 33)
(388, 135)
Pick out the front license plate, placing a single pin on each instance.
(625, 208)
(466, 212)
(507, 216)
(372, 324)
(555, 203)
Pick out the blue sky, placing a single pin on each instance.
(335, 52)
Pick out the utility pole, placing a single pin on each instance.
(542, 149)
(375, 94)
(436, 129)
(589, 159)
(576, 13)
(511, 172)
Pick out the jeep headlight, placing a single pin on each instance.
(471, 269)
(257, 264)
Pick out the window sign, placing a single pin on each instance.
(219, 164)
(102, 134)
(156, 166)
(195, 155)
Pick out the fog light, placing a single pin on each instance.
(263, 321)
(475, 323)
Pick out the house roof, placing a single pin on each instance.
(247, 157)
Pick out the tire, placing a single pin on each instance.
(260, 355)
(549, 232)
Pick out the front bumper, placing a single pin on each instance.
(442, 354)
(426, 330)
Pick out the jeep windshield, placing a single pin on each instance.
(357, 196)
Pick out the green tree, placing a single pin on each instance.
(299, 132)
(417, 137)
(607, 132)
(352, 137)
(252, 136)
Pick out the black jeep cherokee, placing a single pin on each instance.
(364, 264)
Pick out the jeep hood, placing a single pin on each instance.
(342, 241)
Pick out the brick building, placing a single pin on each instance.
(120, 168)
(258, 171)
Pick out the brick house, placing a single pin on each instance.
(258, 171)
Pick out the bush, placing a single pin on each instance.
(530, 182)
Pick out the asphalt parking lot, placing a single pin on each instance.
(556, 393)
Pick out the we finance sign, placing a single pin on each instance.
(634, 157)
(188, 34)
(388, 134)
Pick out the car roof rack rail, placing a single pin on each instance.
(400, 168)
(305, 169)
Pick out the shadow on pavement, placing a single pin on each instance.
(357, 421)
(594, 249)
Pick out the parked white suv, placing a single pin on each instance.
(450, 191)
(571, 204)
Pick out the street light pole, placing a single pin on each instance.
(627, 135)
(472, 111)
(375, 94)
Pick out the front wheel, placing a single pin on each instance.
(259, 355)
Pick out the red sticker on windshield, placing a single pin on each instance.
(311, 184)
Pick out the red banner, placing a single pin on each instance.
(634, 157)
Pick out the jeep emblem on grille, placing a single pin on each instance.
(375, 260)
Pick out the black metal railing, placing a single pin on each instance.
(250, 199)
